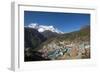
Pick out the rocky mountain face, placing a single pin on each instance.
(33, 38)
(50, 34)
(31, 41)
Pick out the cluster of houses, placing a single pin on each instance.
(54, 50)
(56, 53)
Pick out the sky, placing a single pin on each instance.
(65, 22)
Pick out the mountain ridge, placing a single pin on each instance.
(42, 28)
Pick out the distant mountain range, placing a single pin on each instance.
(42, 28)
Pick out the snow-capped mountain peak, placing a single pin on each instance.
(42, 28)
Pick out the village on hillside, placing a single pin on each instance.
(66, 50)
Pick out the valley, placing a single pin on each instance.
(49, 45)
